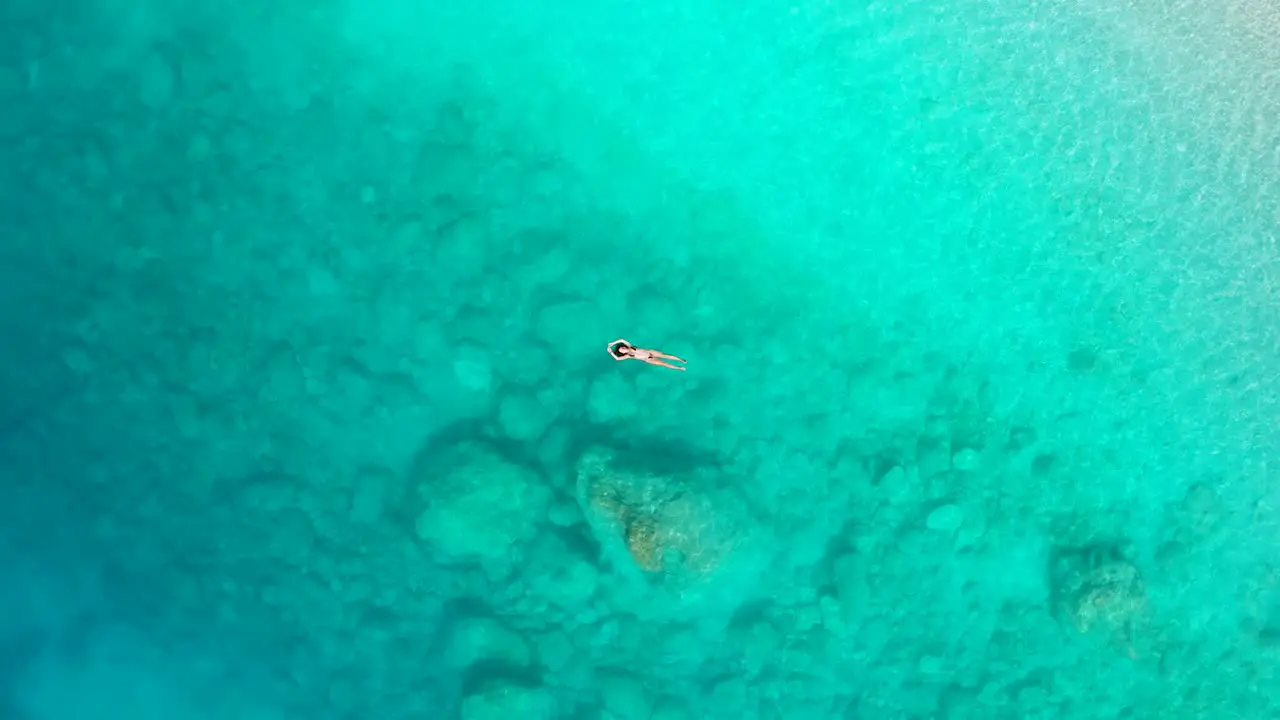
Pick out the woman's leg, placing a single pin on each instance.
(655, 361)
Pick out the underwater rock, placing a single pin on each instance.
(480, 506)
(945, 518)
(554, 650)
(506, 700)
(560, 576)
(564, 513)
(477, 639)
(900, 487)
(1202, 508)
(472, 368)
(664, 527)
(965, 460)
(623, 696)
(523, 417)
(933, 456)
(1096, 589)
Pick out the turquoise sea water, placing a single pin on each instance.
(307, 411)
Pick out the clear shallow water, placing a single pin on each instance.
(307, 410)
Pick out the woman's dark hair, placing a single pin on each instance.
(617, 349)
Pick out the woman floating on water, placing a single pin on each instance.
(622, 350)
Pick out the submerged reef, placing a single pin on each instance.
(665, 526)
(1098, 591)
